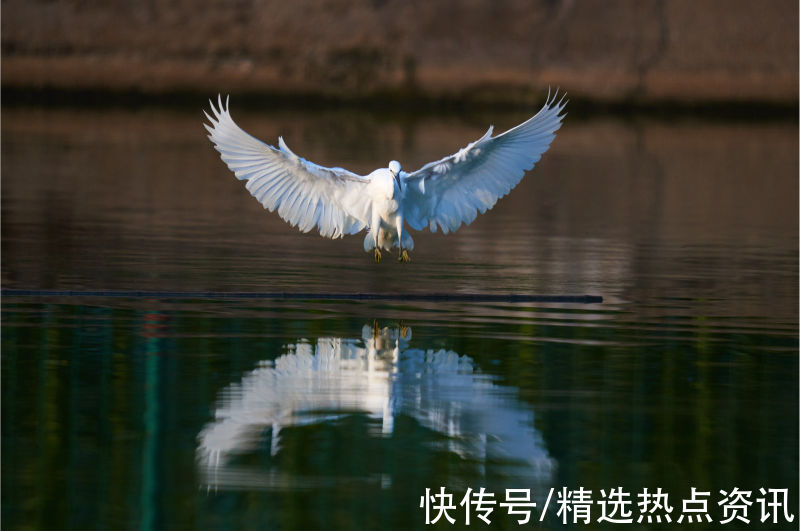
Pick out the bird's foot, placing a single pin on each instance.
(404, 257)
(377, 255)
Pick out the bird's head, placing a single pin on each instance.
(394, 169)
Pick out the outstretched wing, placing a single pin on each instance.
(452, 191)
(305, 195)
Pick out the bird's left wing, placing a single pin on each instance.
(452, 191)
(305, 194)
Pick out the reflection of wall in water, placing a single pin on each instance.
(633, 210)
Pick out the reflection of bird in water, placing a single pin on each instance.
(378, 375)
(442, 194)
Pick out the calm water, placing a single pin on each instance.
(137, 412)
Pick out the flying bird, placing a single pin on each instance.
(441, 195)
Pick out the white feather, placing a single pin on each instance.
(304, 194)
(451, 191)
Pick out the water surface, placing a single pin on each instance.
(184, 413)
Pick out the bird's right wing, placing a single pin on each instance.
(305, 195)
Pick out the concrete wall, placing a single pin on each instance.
(497, 50)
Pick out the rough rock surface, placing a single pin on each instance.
(495, 50)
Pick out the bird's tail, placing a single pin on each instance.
(369, 243)
(408, 241)
(387, 240)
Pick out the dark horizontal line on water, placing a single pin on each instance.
(431, 297)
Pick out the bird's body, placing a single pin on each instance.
(441, 195)
(386, 226)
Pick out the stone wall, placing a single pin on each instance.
(646, 51)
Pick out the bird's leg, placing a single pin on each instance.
(404, 330)
(375, 229)
(403, 254)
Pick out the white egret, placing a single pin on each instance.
(441, 195)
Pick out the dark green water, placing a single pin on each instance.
(151, 413)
